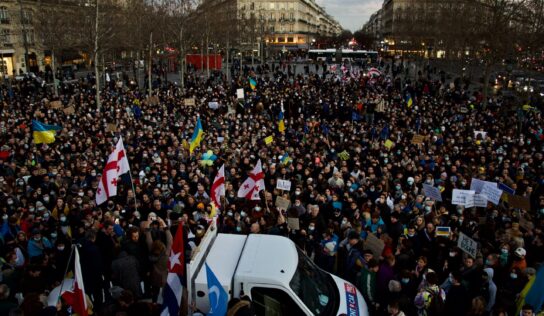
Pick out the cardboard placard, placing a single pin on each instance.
(153, 100)
(111, 127)
(418, 139)
(284, 185)
(293, 223)
(374, 244)
(69, 110)
(432, 192)
(189, 102)
(468, 245)
(516, 201)
(55, 105)
(282, 203)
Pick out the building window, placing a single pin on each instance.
(27, 16)
(4, 37)
(281, 39)
(291, 28)
(252, 6)
(29, 36)
(4, 15)
(290, 40)
(292, 16)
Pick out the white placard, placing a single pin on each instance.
(475, 200)
(432, 192)
(284, 185)
(477, 184)
(476, 133)
(459, 197)
(220, 139)
(492, 193)
(213, 105)
(468, 245)
(240, 93)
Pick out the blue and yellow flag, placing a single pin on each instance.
(281, 124)
(197, 136)
(252, 83)
(44, 133)
(284, 159)
(532, 293)
(409, 101)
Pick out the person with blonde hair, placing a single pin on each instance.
(478, 307)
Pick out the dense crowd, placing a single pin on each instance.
(355, 172)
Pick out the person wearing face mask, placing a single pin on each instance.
(38, 244)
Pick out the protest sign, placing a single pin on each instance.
(432, 192)
(213, 105)
(282, 203)
(293, 223)
(443, 231)
(458, 197)
(418, 139)
(374, 244)
(516, 201)
(477, 184)
(55, 105)
(69, 110)
(468, 245)
(240, 93)
(189, 102)
(284, 185)
(492, 193)
(388, 144)
(153, 100)
(480, 133)
(111, 127)
(475, 200)
(269, 139)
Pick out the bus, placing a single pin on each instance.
(344, 55)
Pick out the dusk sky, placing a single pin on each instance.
(351, 14)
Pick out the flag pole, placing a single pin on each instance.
(65, 272)
(130, 175)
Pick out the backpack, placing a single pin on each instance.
(437, 306)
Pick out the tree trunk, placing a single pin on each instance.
(487, 74)
(149, 65)
(181, 61)
(96, 72)
(227, 65)
(207, 57)
(54, 70)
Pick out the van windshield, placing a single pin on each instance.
(314, 287)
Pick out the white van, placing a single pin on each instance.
(278, 277)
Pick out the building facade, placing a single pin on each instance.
(18, 39)
(290, 24)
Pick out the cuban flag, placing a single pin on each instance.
(217, 295)
(173, 290)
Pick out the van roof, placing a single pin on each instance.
(267, 259)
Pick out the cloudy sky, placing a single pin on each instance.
(351, 14)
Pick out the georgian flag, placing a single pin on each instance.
(173, 289)
(253, 185)
(76, 296)
(107, 186)
(122, 160)
(218, 187)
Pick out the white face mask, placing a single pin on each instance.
(80, 193)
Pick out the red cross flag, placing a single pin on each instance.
(107, 186)
(254, 184)
(122, 160)
(218, 186)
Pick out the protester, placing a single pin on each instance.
(360, 162)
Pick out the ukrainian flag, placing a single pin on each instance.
(532, 293)
(281, 124)
(197, 136)
(252, 83)
(285, 159)
(409, 101)
(44, 133)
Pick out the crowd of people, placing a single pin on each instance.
(355, 174)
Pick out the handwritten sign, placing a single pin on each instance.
(459, 197)
(432, 192)
(282, 203)
(55, 105)
(240, 93)
(468, 245)
(492, 193)
(69, 110)
(268, 140)
(418, 139)
(480, 133)
(477, 184)
(293, 223)
(284, 185)
(111, 127)
(189, 102)
(475, 200)
(388, 144)
(153, 100)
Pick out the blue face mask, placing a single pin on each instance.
(405, 280)
(488, 262)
